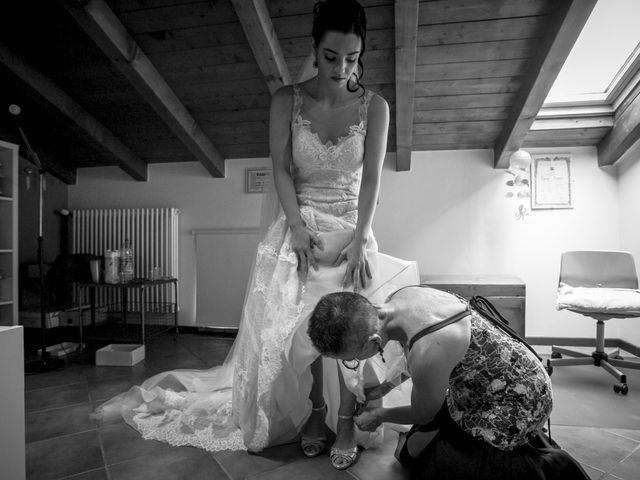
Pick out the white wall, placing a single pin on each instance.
(204, 202)
(450, 213)
(629, 208)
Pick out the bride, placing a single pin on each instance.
(328, 139)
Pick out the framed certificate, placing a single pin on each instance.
(257, 180)
(551, 181)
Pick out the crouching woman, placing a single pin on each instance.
(480, 397)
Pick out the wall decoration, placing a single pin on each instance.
(551, 181)
(519, 185)
(257, 180)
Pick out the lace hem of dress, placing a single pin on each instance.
(166, 428)
(275, 314)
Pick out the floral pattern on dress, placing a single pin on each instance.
(500, 391)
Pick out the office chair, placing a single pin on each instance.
(601, 285)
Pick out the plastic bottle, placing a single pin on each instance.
(126, 262)
(111, 266)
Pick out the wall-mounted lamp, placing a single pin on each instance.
(520, 185)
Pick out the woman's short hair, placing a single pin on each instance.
(344, 16)
(340, 320)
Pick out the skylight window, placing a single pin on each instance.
(608, 39)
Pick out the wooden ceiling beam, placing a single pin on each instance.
(258, 28)
(624, 134)
(564, 26)
(100, 135)
(101, 24)
(51, 161)
(406, 33)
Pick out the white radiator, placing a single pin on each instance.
(152, 233)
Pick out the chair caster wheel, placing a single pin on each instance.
(556, 355)
(549, 368)
(618, 357)
(622, 388)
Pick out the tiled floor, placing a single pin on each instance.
(599, 428)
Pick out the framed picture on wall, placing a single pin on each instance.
(257, 180)
(551, 181)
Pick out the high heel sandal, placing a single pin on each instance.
(343, 458)
(312, 447)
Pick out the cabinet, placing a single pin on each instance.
(8, 234)
(505, 292)
(12, 439)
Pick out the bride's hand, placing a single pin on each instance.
(358, 272)
(302, 242)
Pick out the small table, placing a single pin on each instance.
(141, 285)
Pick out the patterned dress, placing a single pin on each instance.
(489, 428)
(260, 396)
(499, 392)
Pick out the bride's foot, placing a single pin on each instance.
(344, 450)
(314, 438)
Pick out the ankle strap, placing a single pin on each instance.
(345, 417)
(317, 409)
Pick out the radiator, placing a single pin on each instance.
(152, 233)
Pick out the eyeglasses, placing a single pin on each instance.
(354, 363)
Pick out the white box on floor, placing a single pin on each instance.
(120, 354)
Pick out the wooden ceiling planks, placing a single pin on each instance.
(208, 60)
(104, 27)
(470, 58)
(67, 106)
(565, 24)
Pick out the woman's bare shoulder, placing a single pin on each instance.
(377, 101)
(282, 99)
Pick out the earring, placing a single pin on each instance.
(376, 338)
(381, 351)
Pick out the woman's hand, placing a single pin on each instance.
(302, 242)
(368, 419)
(358, 272)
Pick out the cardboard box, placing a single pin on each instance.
(61, 349)
(120, 354)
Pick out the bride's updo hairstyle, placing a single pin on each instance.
(344, 16)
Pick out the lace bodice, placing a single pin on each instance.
(327, 175)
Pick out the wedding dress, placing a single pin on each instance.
(260, 396)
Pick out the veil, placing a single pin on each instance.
(270, 210)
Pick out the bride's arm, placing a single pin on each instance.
(302, 239)
(375, 147)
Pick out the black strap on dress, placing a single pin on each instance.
(437, 326)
